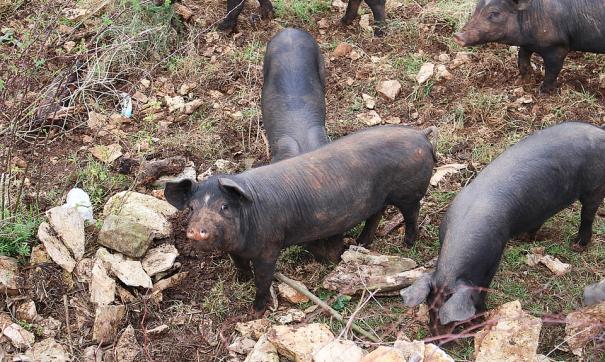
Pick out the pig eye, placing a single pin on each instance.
(224, 207)
(493, 15)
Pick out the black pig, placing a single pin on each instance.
(549, 28)
(235, 7)
(516, 193)
(313, 196)
(293, 101)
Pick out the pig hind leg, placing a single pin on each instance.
(590, 205)
(553, 63)
(266, 9)
(410, 216)
(234, 8)
(351, 12)
(377, 7)
(369, 229)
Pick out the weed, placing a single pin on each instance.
(409, 64)
(96, 179)
(17, 232)
(216, 302)
(300, 9)
(483, 106)
(452, 12)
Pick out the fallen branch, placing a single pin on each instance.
(302, 289)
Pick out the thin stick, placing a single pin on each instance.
(302, 289)
(67, 324)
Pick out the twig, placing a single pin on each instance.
(67, 324)
(302, 289)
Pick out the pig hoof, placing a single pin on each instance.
(547, 89)
(226, 26)
(258, 313)
(243, 276)
(347, 20)
(578, 247)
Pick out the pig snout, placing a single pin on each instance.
(198, 234)
(459, 38)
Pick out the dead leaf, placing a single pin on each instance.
(444, 170)
(107, 154)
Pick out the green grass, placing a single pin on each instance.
(300, 9)
(99, 181)
(18, 231)
(409, 64)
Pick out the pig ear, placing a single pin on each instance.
(521, 4)
(230, 186)
(459, 307)
(417, 292)
(178, 193)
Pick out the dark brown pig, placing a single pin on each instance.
(516, 193)
(313, 196)
(235, 7)
(293, 100)
(549, 28)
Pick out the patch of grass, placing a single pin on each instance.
(97, 179)
(300, 9)
(455, 13)
(17, 232)
(483, 106)
(409, 64)
(216, 302)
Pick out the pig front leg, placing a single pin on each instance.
(243, 269)
(234, 7)
(377, 7)
(263, 276)
(589, 210)
(351, 12)
(553, 62)
(524, 62)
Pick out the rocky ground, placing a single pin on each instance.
(128, 285)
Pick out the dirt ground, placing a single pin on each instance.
(481, 111)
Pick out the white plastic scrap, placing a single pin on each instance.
(79, 199)
(126, 105)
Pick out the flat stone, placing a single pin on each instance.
(300, 343)
(510, 334)
(291, 316)
(132, 221)
(9, 275)
(432, 353)
(384, 354)
(48, 350)
(102, 286)
(253, 329)
(360, 269)
(242, 345)
(19, 336)
(389, 89)
(425, 73)
(130, 272)
(27, 311)
(127, 348)
(68, 225)
(39, 255)
(107, 321)
(48, 327)
(342, 50)
(55, 248)
(584, 326)
(93, 354)
(188, 173)
(264, 351)
(290, 294)
(159, 259)
(340, 351)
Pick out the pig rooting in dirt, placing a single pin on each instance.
(313, 196)
(549, 28)
(515, 194)
(293, 100)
